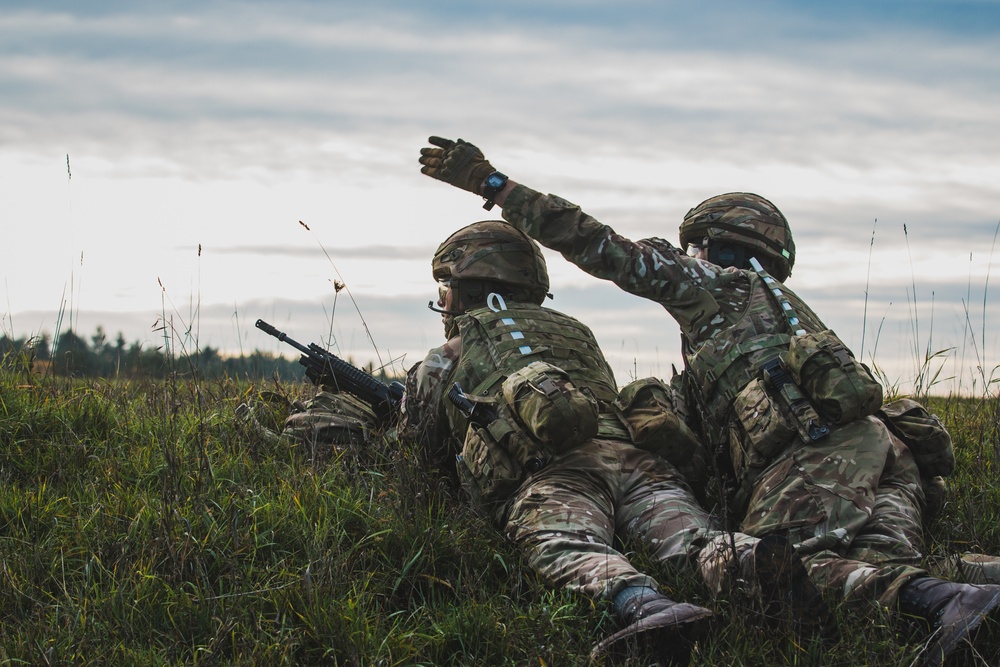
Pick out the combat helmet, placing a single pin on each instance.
(494, 252)
(744, 220)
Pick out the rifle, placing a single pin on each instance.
(326, 367)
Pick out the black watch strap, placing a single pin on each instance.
(495, 182)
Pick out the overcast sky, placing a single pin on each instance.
(156, 160)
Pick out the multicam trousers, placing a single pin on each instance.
(567, 517)
(851, 503)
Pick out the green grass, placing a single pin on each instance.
(140, 525)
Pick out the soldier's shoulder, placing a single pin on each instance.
(438, 362)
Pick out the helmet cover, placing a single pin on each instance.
(745, 219)
(493, 251)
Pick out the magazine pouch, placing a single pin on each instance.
(488, 466)
(546, 404)
(839, 387)
(764, 429)
(646, 407)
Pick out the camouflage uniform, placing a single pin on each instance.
(567, 515)
(852, 501)
(327, 422)
(330, 419)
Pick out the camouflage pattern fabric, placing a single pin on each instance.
(491, 250)
(931, 445)
(747, 219)
(654, 414)
(510, 339)
(850, 502)
(544, 399)
(840, 388)
(730, 325)
(424, 418)
(923, 433)
(568, 515)
(329, 420)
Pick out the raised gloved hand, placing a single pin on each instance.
(457, 162)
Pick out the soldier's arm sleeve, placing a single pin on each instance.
(653, 268)
(420, 421)
(424, 418)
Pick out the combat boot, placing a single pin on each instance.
(953, 611)
(655, 626)
(772, 574)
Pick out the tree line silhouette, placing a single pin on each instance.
(73, 355)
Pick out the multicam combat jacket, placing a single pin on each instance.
(730, 323)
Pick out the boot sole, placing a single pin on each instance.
(668, 634)
(944, 642)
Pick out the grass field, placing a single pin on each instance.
(140, 525)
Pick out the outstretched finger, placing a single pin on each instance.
(441, 142)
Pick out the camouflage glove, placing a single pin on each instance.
(457, 162)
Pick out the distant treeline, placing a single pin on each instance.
(73, 355)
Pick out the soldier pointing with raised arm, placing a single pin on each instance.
(776, 391)
(553, 461)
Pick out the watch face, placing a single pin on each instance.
(495, 181)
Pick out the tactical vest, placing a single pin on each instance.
(721, 366)
(496, 344)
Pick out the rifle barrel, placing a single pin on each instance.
(282, 336)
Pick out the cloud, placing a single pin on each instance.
(357, 72)
(222, 124)
(375, 252)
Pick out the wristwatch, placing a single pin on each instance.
(494, 183)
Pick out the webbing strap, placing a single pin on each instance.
(774, 289)
(755, 344)
(738, 229)
(609, 426)
(491, 379)
(552, 392)
(488, 250)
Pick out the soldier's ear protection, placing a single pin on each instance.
(727, 254)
